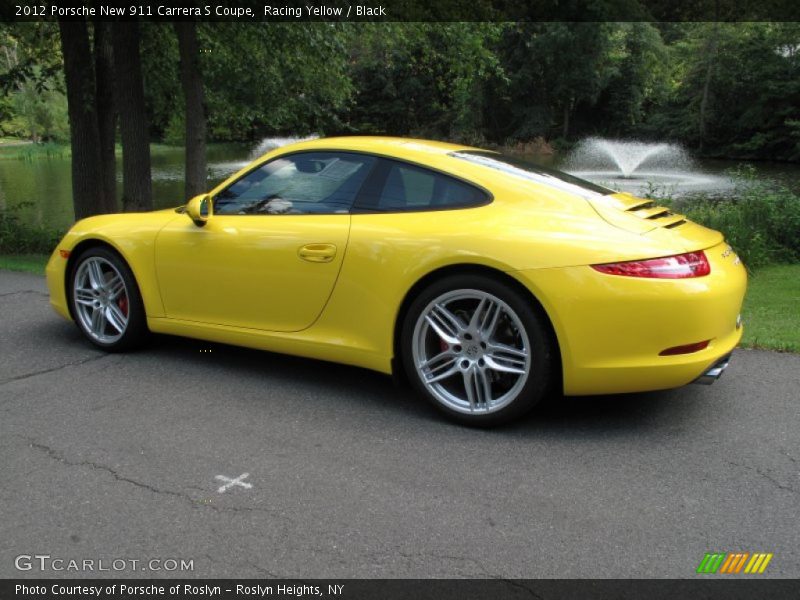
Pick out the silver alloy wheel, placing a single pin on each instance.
(101, 300)
(471, 351)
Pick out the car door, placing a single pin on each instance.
(269, 255)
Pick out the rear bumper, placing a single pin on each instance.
(611, 329)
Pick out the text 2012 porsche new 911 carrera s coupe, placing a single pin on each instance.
(486, 281)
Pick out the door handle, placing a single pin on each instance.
(319, 253)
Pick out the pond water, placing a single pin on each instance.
(44, 184)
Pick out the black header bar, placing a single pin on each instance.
(250, 11)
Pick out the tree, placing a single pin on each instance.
(710, 58)
(640, 77)
(137, 192)
(87, 194)
(32, 100)
(747, 101)
(422, 78)
(554, 68)
(192, 82)
(106, 112)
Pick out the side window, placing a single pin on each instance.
(410, 188)
(303, 183)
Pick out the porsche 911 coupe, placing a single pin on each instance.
(487, 282)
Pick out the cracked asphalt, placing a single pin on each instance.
(115, 456)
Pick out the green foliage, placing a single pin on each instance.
(293, 78)
(421, 79)
(750, 76)
(33, 104)
(760, 219)
(18, 238)
(551, 70)
(725, 89)
(162, 84)
(639, 77)
(175, 131)
(38, 114)
(259, 79)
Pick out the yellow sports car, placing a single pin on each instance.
(486, 281)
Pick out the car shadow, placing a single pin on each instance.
(316, 375)
(562, 416)
(613, 414)
(609, 414)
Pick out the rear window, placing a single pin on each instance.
(533, 172)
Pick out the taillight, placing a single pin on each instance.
(680, 266)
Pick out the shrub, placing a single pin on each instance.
(760, 218)
(18, 238)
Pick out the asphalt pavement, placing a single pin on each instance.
(251, 464)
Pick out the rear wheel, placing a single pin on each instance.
(477, 349)
(105, 299)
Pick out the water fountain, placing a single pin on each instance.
(641, 167)
(168, 167)
(270, 143)
(220, 170)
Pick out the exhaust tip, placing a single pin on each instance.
(714, 372)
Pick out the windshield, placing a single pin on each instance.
(533, 172)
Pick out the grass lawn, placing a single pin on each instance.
(15, 149)
(12, 140)
(29, 263)
(771, 310)
(30, 151)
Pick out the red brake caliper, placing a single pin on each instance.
(123, 305)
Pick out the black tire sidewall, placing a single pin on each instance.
(539, 379)
(136, 331)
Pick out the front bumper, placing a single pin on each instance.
(55, 273)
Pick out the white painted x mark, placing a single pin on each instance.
(229, 483)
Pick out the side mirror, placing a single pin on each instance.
(199, 209)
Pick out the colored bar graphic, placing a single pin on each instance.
(733, 562)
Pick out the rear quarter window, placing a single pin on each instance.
(403, 187)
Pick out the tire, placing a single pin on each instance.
(477, 350)
(105, 301)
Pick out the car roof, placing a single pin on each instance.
(388, 146)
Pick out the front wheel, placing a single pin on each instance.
(106, 303)
(477, 350)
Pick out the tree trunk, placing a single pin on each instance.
(192, 82)
(87, 188)
(711, 55)
(106, 112)
(137, 189)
